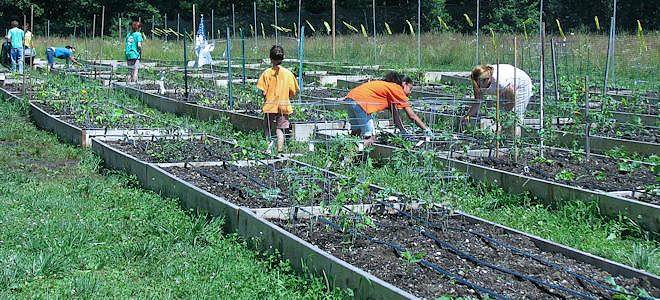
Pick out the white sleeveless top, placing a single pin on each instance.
(507, 73)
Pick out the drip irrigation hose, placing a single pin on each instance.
(399, 250)
(515, 251)
(533, 279)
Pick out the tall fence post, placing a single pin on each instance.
(478, 59)
(301, 58)
(102, 21)
(243, 55)
(185, 67)
(277, 35)
(233, 19)
(229, 77)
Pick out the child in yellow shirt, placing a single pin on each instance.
(278, 84)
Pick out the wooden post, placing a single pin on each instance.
(478, 59)
(373, 14)
(194, 29)
(419, 34)
(102, 20)
(334, 27)
(153, 23)
(166, 33)
(277, 37)
(254, 32)
(233, 20)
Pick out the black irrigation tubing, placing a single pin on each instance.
(516, 251)
(477, 261)
(399, 250)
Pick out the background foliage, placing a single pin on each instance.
(499, 15)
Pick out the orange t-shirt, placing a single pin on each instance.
(378, 95)
(278, 85)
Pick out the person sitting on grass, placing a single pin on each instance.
(378, 95)
(65, 53)
(277, 84)
(133, 50)
(515, 88)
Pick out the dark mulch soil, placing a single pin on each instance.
(324, 93)
(643, 134)
(14, 88)
(603, 174)
(265, 186)
(179, 150)
(406, 274)
(67, 115)
(146, 86)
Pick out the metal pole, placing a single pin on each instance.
(194, 29)
(32, 31)
(334, 27)
(48, 28)
(301, 58)
(185, 67)
(243, 55)
(119, 25)
(94, 27)
(497, 110)
(587, 146)
(477, 52)
(233, 19)
(542, 86)
(373, 14)
(153, 24)
(554, 68)
(229, 77)
(419, 34)
(613, 48)
(254, 32)
(276, 31)
(166, 34)
(609, 56)
(213, 24)
(102, 20)
(515, 88)
(178, 23)
(299, 18)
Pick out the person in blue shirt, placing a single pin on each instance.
(133, 50)
(65, 53)
(15, 36)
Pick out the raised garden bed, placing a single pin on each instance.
(173, 150)
(599, 173)
(279, 184)
(401, 250)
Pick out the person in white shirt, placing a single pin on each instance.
(514, 84)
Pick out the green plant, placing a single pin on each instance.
(412, 258)
(565, 175)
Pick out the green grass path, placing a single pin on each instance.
(68, 231)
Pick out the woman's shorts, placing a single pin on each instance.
(359, 119)
(134, 63)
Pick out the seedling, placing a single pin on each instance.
(412, 258)
(565, 175)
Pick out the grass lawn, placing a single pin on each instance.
(68, 231)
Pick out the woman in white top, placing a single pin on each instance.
(515, 87)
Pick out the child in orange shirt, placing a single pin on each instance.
(278, 84)
(378, 95)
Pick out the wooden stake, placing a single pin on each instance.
(334, 27)
(194, 29)
(102, 20)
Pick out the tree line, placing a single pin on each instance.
(441, 15)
